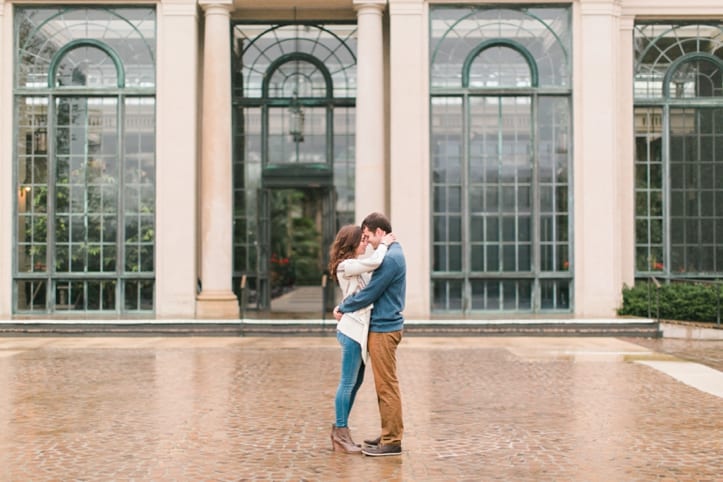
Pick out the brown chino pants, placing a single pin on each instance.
(383, 353)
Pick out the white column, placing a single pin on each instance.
(176, 162)
(216, 299)
(597, 195)
(409, 146)
(626, 151)
(370, 185)
(7, 189)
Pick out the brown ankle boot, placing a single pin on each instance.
(346, 433)
(341, 440)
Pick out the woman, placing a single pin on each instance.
(352, 271)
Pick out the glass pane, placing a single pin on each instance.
(31, 184)
(297, 78)
(139, 195)
(658, 45)
(477, 257)
(294, 141)
(138, 295)
(31, 295)
(457, 30)
(333, 45)
(70, 295)
(493, 258)
(440, 258)
(476, 229)
(129, 32)
(555, 294)
(455, 258)
(447, 295)
(694, 215)
(86, 67)
(699, 78)
(83, 170)
(500, 67)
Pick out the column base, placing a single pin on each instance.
(217, 305)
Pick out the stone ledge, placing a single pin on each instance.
(646, 328)
(691, 330)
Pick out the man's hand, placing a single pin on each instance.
(337, 313)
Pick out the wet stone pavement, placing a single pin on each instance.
(511, 408)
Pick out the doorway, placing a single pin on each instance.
(297, 227)
(294, 162)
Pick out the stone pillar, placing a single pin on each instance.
(409, 146)
(216, 299)
(8, 193)
(176, 162)
(598, 283)
(370, 187)
(626, 152)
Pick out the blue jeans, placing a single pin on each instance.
(352, 376)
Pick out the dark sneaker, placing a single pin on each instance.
(374, 442)
(382, 450)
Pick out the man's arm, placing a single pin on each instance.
(381, 279)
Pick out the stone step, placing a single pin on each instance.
(293, 327)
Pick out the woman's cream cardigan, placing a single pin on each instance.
(353, 274)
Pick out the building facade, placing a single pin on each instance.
(193, 159)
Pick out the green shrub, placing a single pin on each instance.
(677, 301)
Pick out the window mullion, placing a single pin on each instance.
(465, 249)
(52, 179)
(535, 207)
(666, 188)
(120, 216)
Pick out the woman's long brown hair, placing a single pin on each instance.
(344, 246)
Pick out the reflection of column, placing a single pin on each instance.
(597, 202)
(216, 299)
(370, 185)
(409, 145)
(8, 380)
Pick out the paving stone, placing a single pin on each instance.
(537, 409)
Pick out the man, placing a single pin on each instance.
(386, 291)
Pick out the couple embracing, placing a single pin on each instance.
(369, 328)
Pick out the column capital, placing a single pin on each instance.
(180, 8)
(600, 7)
(207, 5)
(370, 4)
(406, 7)
(627, 22)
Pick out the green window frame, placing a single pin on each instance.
(294, 96)
(501, 159)
(84, 171)
(679, 150)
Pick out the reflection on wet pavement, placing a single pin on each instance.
(261, 409)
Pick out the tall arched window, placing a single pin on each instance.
(679, 150)
(85, 160)
(294, 94)
(500, 130)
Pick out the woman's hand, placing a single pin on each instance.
(388, 239)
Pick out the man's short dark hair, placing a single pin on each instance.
(377, 220)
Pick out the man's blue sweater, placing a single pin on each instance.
(386, 291)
